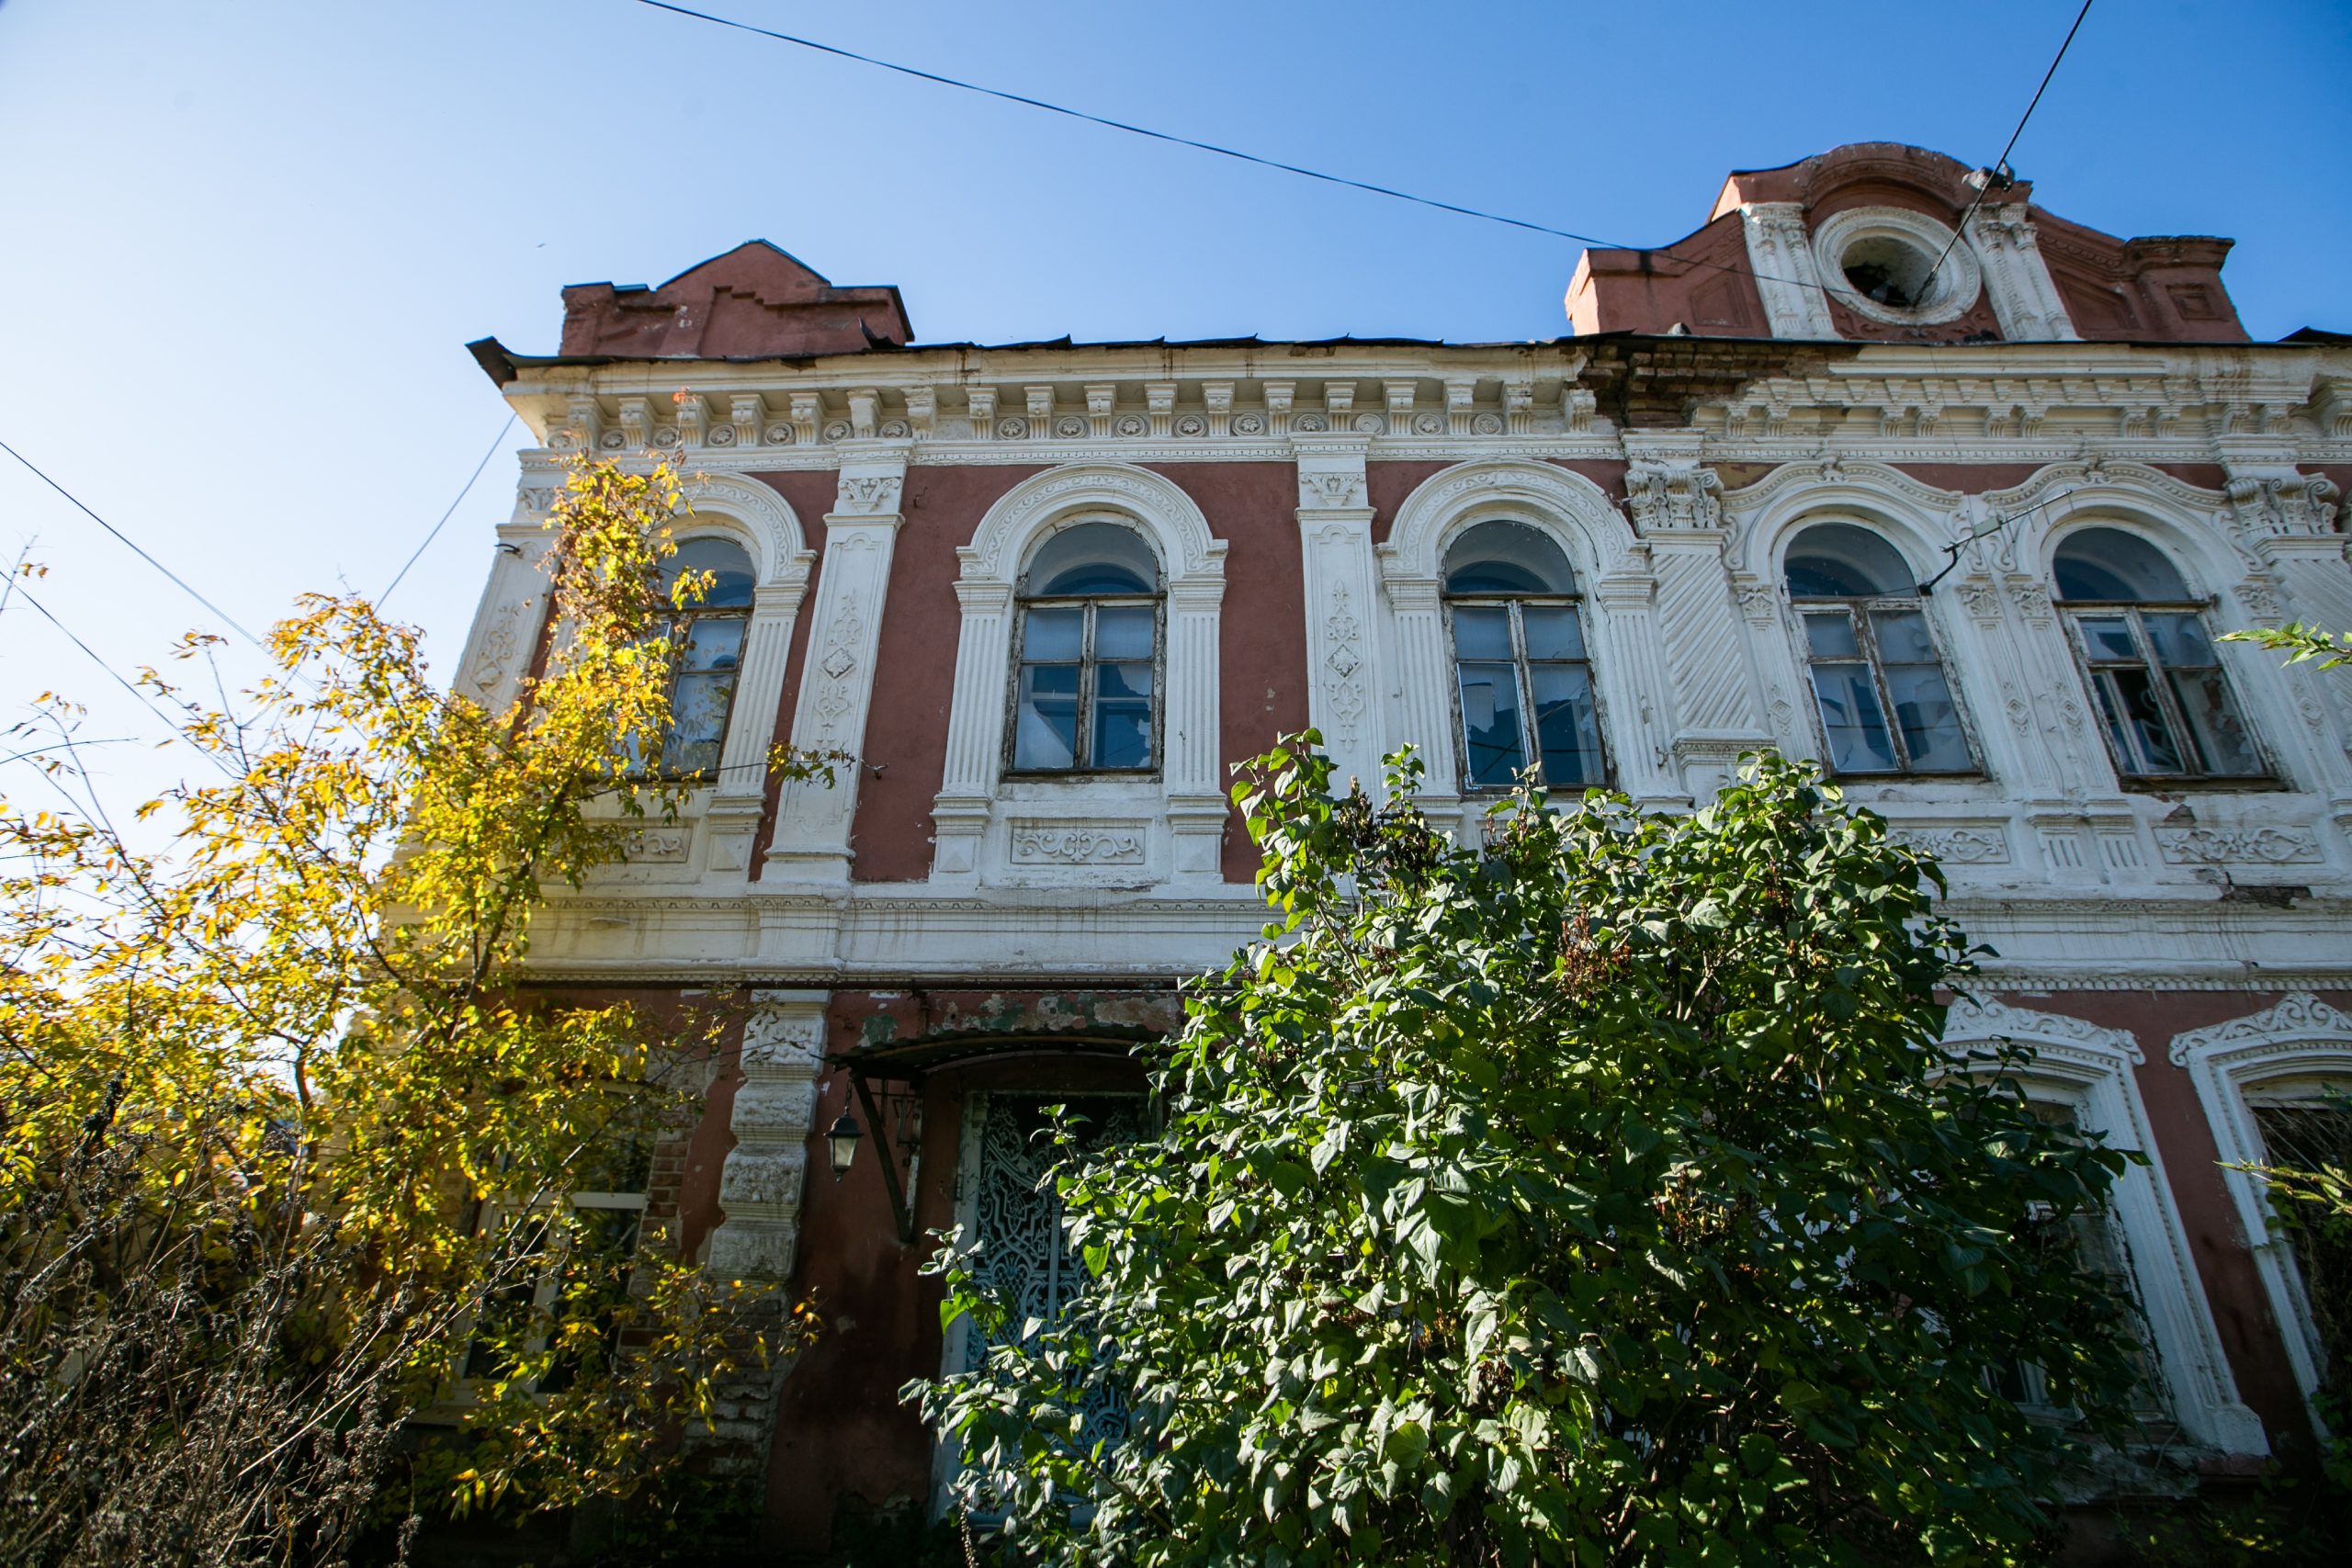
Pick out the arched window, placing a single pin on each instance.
(706, 653)
(2165, 706)
(1871, 655)
(1086, 689)
(1519, 649)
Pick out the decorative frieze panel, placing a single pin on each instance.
(1064, 842)
(1982, 843)
(2235, 846)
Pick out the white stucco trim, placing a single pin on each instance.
(2091, 1067)
(2299, 1048)
(1611, 568)
(1084, 831)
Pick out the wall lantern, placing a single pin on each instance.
(841, 1139)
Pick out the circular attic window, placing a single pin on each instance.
(1888, 270)
(1882, 262)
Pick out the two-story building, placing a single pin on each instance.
(1884, 464)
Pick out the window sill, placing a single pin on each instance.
(2167, 783)
(1974, 776)
(1082, 775)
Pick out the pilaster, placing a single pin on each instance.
(811, 843)
(974, 725)
(2284, 520)
(1786, 275)
(1629, 628)
(2016, 280)
(514, 601)
(1673, 497)
(1197, 807)
(1343, 681)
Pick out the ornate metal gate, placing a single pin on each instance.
(1011, 1211)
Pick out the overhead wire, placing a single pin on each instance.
(1998, 173)
(1129, 128)
(100, 659)
(184, 586)
(1301, 170)
(435, 532)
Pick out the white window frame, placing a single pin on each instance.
(1612, 575)
(1135, 829)
(543, 1289)
(2093, 1068)
(1859, 608)
(2296, 1047)
(1530, 739)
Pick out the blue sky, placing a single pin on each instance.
(244, 242)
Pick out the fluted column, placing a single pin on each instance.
(974, 725)
(813, 819)
(1197, 806)
(1424, 680)
(760, 1185)
(1633, 679)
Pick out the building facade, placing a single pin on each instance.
(1885, 465)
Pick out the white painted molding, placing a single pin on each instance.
(764, 519)
(812, 842)
(1959, 279)
(2016, 280)
(1346, 656)
(761, 1184)
(1786, 275)
(1186, 809)
(2293, 1050)
(2092, 1067)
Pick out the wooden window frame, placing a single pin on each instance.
(1859, 608)
(1532, 750)
(1083, 745)
(2262, 776)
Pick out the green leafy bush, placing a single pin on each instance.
(1599, 1195)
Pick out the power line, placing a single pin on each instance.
(1999, 173)
(183, 582)
(495, 442)
(99, 660)
(1823, 284)
(1131, 130)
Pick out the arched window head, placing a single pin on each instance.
(731, 573)
(1522, 680)
(1092, 558)
(1506, 558)
(1838, 560)
(2109, 566)
(2164, 704)
(1871, 654)
(705, 634)
(1086, 672)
